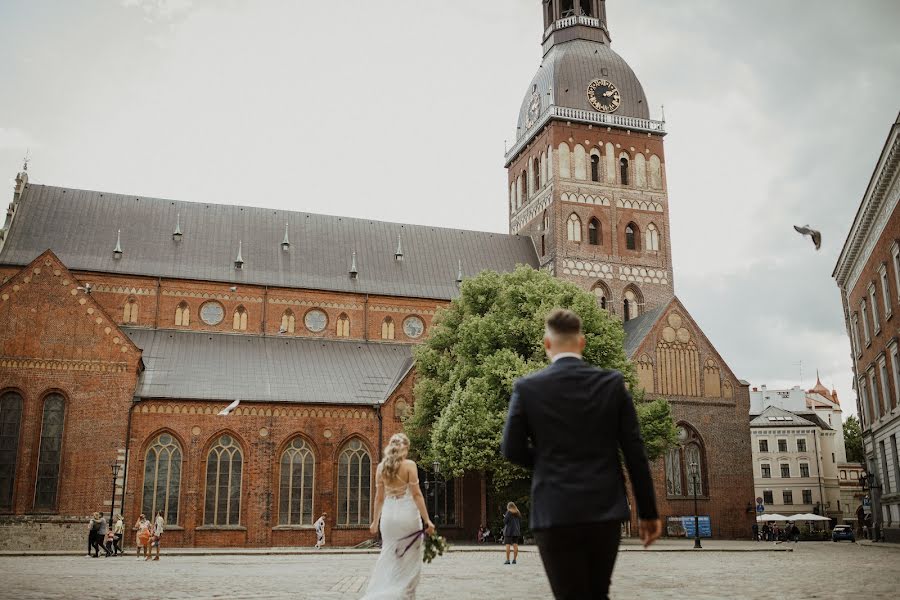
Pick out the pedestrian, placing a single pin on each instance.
(568, 423)
(755, 532)
(142, 539)
(512, 531)
(118, 534)
(795, 533)
(320, 531)
(156, 538)
(93, 524)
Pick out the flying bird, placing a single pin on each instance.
(282, 331)
(86, 288)
(815, 235)
(233, 289)
(227, 410)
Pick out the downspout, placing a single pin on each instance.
(366, 328)
(265, 309)
(156, 318)
(134, 403)
(380, 418)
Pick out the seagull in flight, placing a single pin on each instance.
(815, 235)
(227, 410)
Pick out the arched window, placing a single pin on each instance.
(631, 236)
(10, 421)
(685, 464)
(387, 329)
(224, 468)
(354, 484)
(640, 170)
(567, 9)
(632, 303)
(545, 228)
(183, 315)
(512, 197)
(655, 172)
(162, 478)
(343, 326)
(131, 311)
(298, 470)
(573, 228)
(47, 484)
(586, 8)
(595, 167)
(565, 171)
(623, 170)
(579, 160)
(601, 292)
(538, 165)
(288, 321)
(595, 235)
(651, 238)
(240, 319)
(527, 193)
(519, 193)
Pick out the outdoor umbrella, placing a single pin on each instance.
(772, 517)
(810, 517)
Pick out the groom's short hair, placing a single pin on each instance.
(562, 322)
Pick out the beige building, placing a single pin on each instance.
(797, 441)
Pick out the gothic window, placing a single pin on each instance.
(545, 227)
(47, 484)
(564, 169)
(162, 478)
(579, 159)
(632, 302)
(224, 468)
(573, 228)
(601, 292)
(288, 322)
(387, 329)
(131, 311)
(685, 465)
(694, 462)
(655, 172)
(673, 473)
(343, 326)
(531, 181)
(354, 484)
(526, 187)
(631, 236)
(10, 421)
(610, 153)
(298, 468)
(640, 170)
(595, 167)
(651, 238)
(537, 166)
(240, 319)
(594, 233)
(183, 315)
(712, 381)
(623, 170)
(512, 197)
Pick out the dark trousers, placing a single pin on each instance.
(579, 559)
(95, 543)
(117, 544)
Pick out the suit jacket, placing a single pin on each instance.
(567, 422)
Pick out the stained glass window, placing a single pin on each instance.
(162, 478)
(10, 421)
(224, 467)
(52, 422)
(297, 479)
(354, 485)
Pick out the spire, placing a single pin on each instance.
(285, 243)
(239, 261)
(117, 252)
(459, 274)
(398, 255)
(354, 272)
(177, 235)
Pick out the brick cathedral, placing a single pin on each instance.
(128, 323)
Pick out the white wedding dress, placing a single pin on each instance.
(396, 574)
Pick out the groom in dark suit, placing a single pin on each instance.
(568, 422)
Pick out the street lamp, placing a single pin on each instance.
(870, 483)
(115, 466)
(436, 467)
(695, 473)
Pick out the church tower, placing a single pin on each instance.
(587, 176)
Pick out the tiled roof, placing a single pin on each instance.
(636, 329)
(81, 228)
(219, 366)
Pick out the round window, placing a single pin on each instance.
(212, 313)
(413, 327)
(315, 320)
(225, 440)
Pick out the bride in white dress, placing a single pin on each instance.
(400, 510)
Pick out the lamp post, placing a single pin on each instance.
(694, 469)
(436, 467)
(872, 487)
(115, 466)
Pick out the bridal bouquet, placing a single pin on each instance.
(435, 546)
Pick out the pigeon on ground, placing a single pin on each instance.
(227, 410)
(815, 235)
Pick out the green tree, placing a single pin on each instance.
(487, 338)
(853, 440)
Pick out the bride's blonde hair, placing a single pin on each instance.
(394, 453)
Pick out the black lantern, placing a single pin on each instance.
(694, 470)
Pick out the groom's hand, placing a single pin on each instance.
(651, 529)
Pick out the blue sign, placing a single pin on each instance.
(760, 508)
(705, 527)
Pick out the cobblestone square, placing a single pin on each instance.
(816, 570)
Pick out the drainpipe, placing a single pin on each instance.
(156, 318)
(366, 326)
(134, 403)
(265, 309)
(380, 418)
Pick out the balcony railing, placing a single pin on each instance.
(571, 22)
(585, 116)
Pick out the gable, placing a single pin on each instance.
(47, 322)
(673, 357)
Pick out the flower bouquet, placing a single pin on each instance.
(435, 546)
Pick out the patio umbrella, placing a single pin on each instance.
(810, 517)
(772, 517)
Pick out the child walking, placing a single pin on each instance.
(512, 531)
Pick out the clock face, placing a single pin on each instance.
(604, 96)
(413, 327)
(534, 110)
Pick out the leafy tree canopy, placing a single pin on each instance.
(853, 440)
(479, 345)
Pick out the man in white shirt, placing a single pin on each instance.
(158, 527)
(320, 531)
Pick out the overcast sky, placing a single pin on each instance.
(398, 110)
